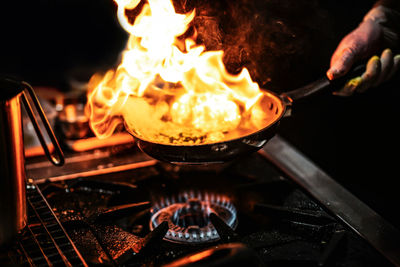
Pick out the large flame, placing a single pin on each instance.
(168, 89)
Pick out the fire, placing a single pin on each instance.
(168, 89)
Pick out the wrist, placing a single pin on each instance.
(387, 20)
(392, 4)
(377, 15)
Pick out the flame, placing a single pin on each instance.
(168, 89)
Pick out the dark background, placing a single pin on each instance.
(284, 44)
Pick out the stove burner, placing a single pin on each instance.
(188, 216)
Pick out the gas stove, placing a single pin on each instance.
(115, 206)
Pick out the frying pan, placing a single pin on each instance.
(277, 107)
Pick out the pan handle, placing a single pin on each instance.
(322, 84)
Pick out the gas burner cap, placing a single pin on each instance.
(188, 216)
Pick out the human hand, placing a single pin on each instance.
(378, 70)
(377, 30)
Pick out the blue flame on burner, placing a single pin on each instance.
(188, 214)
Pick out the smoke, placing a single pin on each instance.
(283, 43)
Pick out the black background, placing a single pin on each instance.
(355, 139)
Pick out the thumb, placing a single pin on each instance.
(341, 62)
(360, 43)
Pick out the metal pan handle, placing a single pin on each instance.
(59, 160)
(322, 84)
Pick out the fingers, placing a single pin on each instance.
(349, 88)
(387, 62)
(371, 74)
(378, 70)
(360, 43)
(363, 82)
(389, 65)
(396, 66)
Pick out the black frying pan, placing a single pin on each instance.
(276, 105)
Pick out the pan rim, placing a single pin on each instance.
(279, 99)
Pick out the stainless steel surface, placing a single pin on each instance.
(100, 171)
(12, 160)
(12, 178)
(91, 163)
(354, 213)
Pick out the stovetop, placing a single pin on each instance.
(157, 214)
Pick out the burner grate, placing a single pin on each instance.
(108, 218)
(44, 241)
(188, 216)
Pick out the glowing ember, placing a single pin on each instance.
(168, 90)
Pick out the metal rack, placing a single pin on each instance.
(44, 242)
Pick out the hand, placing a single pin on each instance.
(378, 70)
(377, 30)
